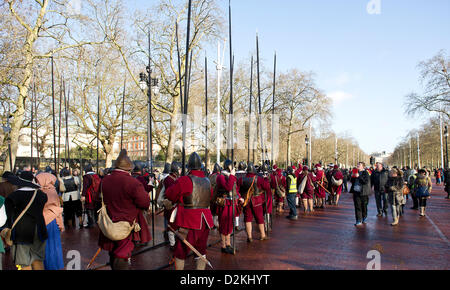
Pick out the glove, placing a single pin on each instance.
(168, 205)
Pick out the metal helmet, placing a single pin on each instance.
(242, 166)
(251, 168)
(138, 166)
(194, 162)
(290, 170)
(88, 168)
(228, 165)
(265, 168)
(217, 168)
(174, 167)
(167, 168)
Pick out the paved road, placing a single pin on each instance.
(324, 240)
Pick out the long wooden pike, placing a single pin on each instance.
(53, 114)
(186, 91)
(93, 258)
(36, 127)
(67, 124)
(59, 130)
(32, 121)
(179, 69)
(250, 112)
(98, 126)
(123, 113)
(206, 107)
(273, 106)
(67, 132)
(190, 246)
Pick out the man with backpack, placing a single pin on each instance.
(91, 195)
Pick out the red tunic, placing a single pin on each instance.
(308, 193)
(255, 208)
(225, 213)
(320, 178)
(281, 183)
(125, 199)
(338, 176)
(188, 218)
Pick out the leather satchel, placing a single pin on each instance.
(115, 231)
(6, 233)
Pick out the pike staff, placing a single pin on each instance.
(186, 90)
(259, 99)
(250, 112)
(206, 107)
(59, 130)
(32, 121)
(53, 114)
(98, 125)
(273, 106)
(123, 113)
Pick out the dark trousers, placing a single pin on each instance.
(361, 203)
(381, 200)
(291, 203)
(423, 201)
(415, 201)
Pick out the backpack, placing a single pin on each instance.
(280, 190)
(94, 189)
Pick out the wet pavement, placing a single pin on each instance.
(324, 240)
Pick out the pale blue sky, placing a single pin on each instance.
(366, 62)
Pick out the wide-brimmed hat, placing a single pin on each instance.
(25, 179)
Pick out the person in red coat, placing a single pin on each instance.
(307, 193)
(192, 193)
(337, 189)
(125, 199)
(321, 181)
(278, 180)
(226, 189)
(90, 195)
(254, 206)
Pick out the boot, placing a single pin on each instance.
(179, 264)
(422, 211)
(120, 264)
(395, 222)
(201, 265)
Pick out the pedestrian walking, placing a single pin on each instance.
(379, 179)
(423, 187)
(29, 233)
(54, 222)
(393, 187)
(361, 191)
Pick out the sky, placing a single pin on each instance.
(364, 54)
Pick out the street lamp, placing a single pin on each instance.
(446, 145)
(307, 147)
(150, 82)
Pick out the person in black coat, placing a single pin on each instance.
(361, 191)
(30, 233)
(378, 179)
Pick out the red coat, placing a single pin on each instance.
(320, 179)
(125, 199)
(188, 218)
(338, 176)
(262, 184)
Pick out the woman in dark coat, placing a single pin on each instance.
(30, 234)
(393, 187)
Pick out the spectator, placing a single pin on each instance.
(393, 187)
(361, 191)
(54, 221)
(447, 182)
(90, 195)
(423, 188)
(71, 199)
(30, 233)
(378, 181)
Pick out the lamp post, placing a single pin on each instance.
(151, 84)
(307, 147)
(446, 146)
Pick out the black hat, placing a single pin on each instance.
(166, 168)
(24, 180)
(194, 162)
(290, 170)
(242, 166)
(48, 169)
(251, 168)
(174, 167)
(88, 168)
(217, 168)
(227, 164)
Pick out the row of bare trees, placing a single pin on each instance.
(425, 146)
(99, 51)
